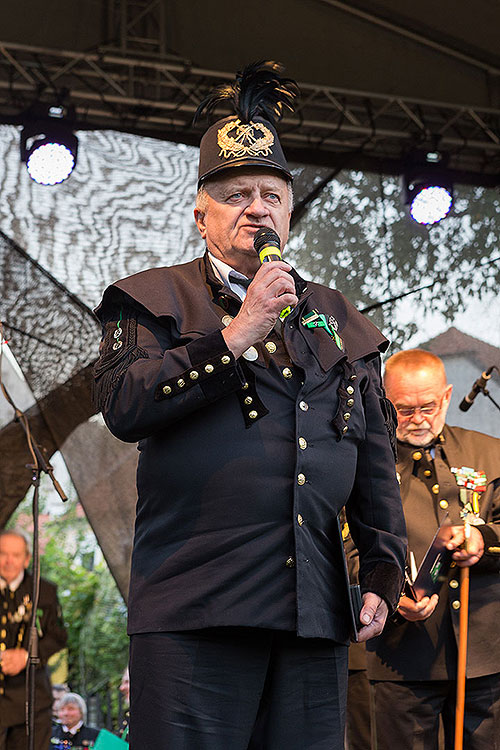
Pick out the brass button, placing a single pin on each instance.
(353, 377)
(453, 564)
(2, 646)
(244, 387)
(416, 455)
(225, 359)
(167, 390)
(287, 373)
(3, 633)
(443, 504)
(350, 402)
(181, 383)
(435, 488)
(209, 368)
(271, 347)
(427, 473)
(248, 400)
(454, 583)
(302, 443)
(350, 390)
(300, 520)
(5, 605)
(4, 619)
(303, 405)
(301, 479)
(2, 691)
(252, 414)
(227, 319)
(290, 563)
(455, 604)
(344, 429)
(347, 416)
(194, 375)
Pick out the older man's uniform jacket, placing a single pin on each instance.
(427, 650)
(15, 615)
(245, 464)
(84, 738)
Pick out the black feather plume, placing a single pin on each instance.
(258, 90)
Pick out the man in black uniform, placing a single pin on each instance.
(413, 663)
(253, 433)
(15, 616)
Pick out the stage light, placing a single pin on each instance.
(428, 191)
(48, 146)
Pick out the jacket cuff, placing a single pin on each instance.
(385, 580)
(214, 369)
(490, 560)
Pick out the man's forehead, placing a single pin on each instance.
(422, 384)
(247, 178)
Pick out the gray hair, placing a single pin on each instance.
(77, 700)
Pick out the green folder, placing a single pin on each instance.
(108, 741)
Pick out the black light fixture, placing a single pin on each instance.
(48, 145)
(428, 191)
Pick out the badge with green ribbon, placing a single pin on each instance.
(315, 319)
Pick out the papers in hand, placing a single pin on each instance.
(434, 567)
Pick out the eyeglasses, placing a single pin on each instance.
(427, 410)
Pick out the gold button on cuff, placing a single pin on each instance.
(227, 319)
(209, 368)
(350, 390)
(427, 473)
(455, 604)
(271, 347)
(248, 400)
(225, 359)
(253, 414)
(302, 443)
(194, 375)
(287, 373)
(244, 387)
(303, 405)
(167, 390)
(435, 488)
(347, 416)
(290, 563)
(300, 520)
(181, 383)
(350, 402)
(301, 479)
(443, 504)
(416, 455)
(454, 583)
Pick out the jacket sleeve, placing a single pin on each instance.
(374, 510)
(490, 531)
(147, 377)
(51, 630)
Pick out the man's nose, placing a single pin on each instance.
(418, 417)
(257, 207)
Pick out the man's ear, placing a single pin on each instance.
(199, 217)
(27, 561)
(447, 396)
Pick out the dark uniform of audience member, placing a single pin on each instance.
(15, 617)
(72, 731)
(253, 433)
(413, 664)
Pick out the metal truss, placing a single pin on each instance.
(134, 84)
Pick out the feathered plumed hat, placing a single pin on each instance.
(258, 96)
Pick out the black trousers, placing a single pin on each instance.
(236, 689)
(407, 714)
(358, 722)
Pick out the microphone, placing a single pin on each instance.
(267, 245)
(479, 385)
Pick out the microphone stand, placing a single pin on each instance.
(39, 464)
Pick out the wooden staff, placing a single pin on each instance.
(462, 649)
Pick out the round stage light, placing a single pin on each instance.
(50, 162)
(430, 203)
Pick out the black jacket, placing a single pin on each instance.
(15, 611)
(84, 738)
(427, 650)
(244, 465)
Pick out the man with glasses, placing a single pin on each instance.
(412, 665)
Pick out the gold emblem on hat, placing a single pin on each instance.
(244, 141)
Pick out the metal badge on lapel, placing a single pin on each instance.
(314, 319)
(471, 483)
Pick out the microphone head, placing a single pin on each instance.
(265, 237)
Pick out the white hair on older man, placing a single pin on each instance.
(76, 700)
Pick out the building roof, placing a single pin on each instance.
(455, 342)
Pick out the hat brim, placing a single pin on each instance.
(264, 163)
